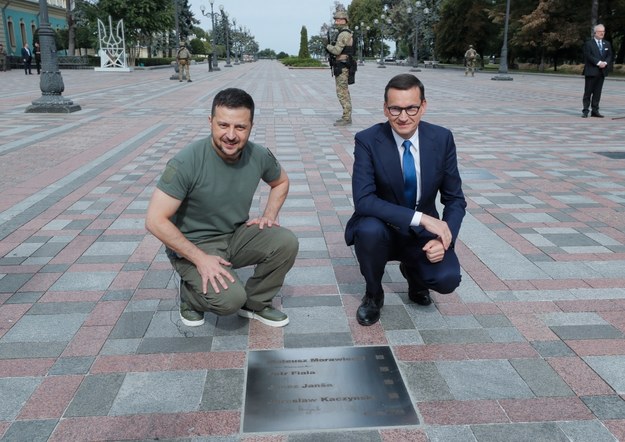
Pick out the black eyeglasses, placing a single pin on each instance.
(410, 110)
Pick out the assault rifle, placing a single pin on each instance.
(331, 56)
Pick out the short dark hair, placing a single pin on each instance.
(233, 98)
(403, 82)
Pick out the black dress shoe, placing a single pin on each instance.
(417, 292)
(421, 297)
(585, 115)
(596, 115)
(369, 311)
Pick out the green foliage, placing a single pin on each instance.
(301, 62)
(186, 20)
(267, 53)
(465, 22)
(281, 55)
(317, 46)
(303, 43)
(141, 18)
(196, 46)
(200, 33)
(362, 13)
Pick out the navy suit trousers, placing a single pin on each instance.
(592, 92)
(377, 243)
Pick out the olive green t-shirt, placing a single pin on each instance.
(216, 196)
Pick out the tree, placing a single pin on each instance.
(303, 43)
(71, 28)
(317, 46)
(143, 19)
(267, 53)
(186, 19)
(196, 46)
(362, 13)
(552, 30)
(85, 16)
(465, 22)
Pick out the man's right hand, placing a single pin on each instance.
(211, 270)
(438, 228)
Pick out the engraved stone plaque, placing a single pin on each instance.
(325, 388)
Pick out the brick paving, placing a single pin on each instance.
(530, 347)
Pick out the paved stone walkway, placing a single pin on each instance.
(530, 347)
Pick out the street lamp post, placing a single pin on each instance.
(235, 41)
(214, 64)
(364, 42)
(415, 52)
(357, 31)
(51, 81)
(226, 31)
(381, 22)
(361, 42)
(503, 62)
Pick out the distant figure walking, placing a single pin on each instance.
(470, 59)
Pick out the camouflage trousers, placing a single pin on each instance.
(342, 92)
(184, 67)
(470, 67)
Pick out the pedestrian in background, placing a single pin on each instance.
(183, 57)
(341, 59)
(3, 58)
(27, 59)
(470, 59)
(38, 57)
(597, 59)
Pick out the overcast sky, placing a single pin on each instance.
(275, 24)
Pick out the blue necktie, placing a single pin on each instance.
(410, 177)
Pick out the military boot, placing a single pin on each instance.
(343, 122)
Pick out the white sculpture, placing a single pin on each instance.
(112, 47)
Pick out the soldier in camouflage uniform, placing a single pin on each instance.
(183, 57)
(470, 59)
(341, 58)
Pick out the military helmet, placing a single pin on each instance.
(341, 14)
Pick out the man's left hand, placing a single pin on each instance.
(262, 222)
(438, 228)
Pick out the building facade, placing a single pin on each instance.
(20, 21)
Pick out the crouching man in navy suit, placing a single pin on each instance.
(400, 167)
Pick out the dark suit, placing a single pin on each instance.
(380, 226)
(593, 74)
(27, 57)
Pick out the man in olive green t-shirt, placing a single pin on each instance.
(200, 211)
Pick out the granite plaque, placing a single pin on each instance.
(325, 388)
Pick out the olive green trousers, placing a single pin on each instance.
(272, 252)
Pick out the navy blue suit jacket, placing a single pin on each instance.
(377, 179)
(592, 56)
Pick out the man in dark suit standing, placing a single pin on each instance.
(27, 58)
(400, 167)
(597, 59)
